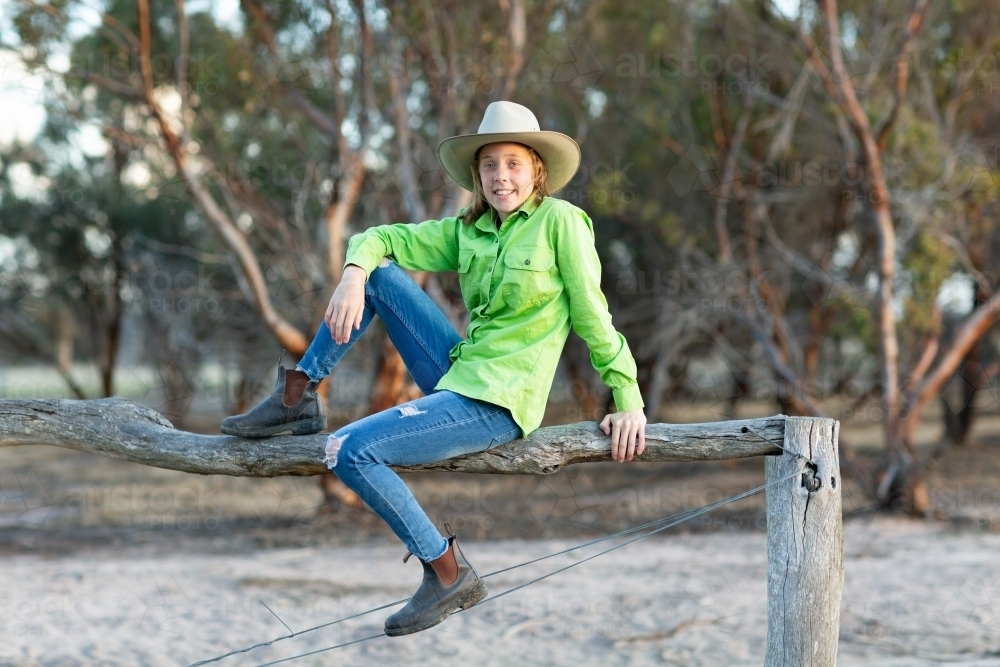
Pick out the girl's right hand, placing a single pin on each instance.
(347, 304)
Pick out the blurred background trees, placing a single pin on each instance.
(795, 203)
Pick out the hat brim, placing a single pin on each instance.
(560, 153)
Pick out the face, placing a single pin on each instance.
(508, 176)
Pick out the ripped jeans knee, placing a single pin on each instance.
(333, 445)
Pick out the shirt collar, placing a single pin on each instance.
(528, 207)
(485, 221)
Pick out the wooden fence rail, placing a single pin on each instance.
(805, 543)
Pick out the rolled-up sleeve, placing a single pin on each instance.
(580, 268)
(431, 245)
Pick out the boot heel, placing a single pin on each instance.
(475, 596)
(308, 427)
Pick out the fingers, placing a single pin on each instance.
(342, 332)
(329, 319)
(616, 453)
(332, 310)
(347, 309)
(342, 318)
(336, 309)
(628, 442)
(631, 440)
(327, 314)
(628, 437)
(628, 445)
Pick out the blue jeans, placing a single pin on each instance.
(437, 426)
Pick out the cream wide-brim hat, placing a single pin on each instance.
(508, 121)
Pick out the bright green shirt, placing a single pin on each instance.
(524, 285)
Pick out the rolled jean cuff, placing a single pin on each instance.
(298, 367)
(443, 551)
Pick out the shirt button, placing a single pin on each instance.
(527, 261)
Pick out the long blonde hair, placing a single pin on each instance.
(479, 204)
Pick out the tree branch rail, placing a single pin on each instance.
(121, 429)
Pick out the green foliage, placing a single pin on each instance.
(855, 323)
(915, 157)
(654, 92)
(927, 264)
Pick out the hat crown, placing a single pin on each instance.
(510, 122)
(508, 117)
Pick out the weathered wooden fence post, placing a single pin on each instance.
(805, 548)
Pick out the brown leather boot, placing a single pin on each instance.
(296, 382)
(449, 583)
(446, 566)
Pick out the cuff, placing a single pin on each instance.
(628, 397)
(366, 251)
(366, 263)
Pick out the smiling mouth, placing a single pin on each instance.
(503, 193)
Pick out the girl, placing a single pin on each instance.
(528, 270)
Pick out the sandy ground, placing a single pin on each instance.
(915, 594)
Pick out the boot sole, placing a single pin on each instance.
(474, 596)
(304, 427)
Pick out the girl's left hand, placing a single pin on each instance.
(628, 433)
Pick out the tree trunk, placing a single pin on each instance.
(115, 312)
(960, 416)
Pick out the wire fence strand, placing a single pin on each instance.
(667, 522)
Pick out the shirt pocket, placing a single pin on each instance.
(468, 280)
(529, 276)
